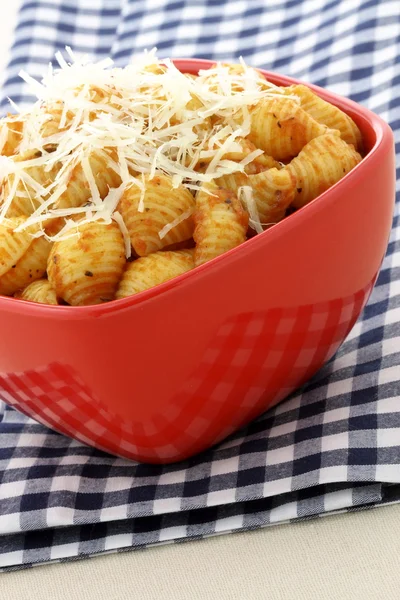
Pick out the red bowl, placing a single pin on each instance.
(162, 375)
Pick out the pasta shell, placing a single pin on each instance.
(321, 163)
(220, 223)
(328, 114)
(86, 269)
(260, 163)
(30, 263)
(11, 129)
(13, 245)
(148, 271)
(235, 69)
(26, 198)
(163, 206)
(273, 191)
(39, 291)
(78, 190)
(281, 128)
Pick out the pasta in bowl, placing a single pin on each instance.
(113, 165)
(184, 256)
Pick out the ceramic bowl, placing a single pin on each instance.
(162, 375)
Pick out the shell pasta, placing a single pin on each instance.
(31, 266)
(281, 128)
(149, 206)
(39, 291)
(11, 128)
(272, 190)
(327, 114)
(220, 223)
(27, 187)
(151, 270)
(85, 269)
(96, 166)
(118, 180)
(320, 164)
(23, 258)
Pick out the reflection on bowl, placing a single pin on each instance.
(229, 384)
(167, 373)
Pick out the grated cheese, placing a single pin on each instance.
(139, 119)
(124, 230)
(96, 199)
(167, 228)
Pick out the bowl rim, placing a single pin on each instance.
(383, 137)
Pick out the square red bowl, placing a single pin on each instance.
(160, 376)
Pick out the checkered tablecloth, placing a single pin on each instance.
(334, 445)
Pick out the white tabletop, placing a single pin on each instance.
(344, 557)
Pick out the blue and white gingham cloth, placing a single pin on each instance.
(335, 444)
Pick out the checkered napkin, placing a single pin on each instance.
(334, 445)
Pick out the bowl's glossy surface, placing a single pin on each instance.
(162, 375)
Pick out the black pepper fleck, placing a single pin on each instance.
(299, 190)
(279, 125)
(88, 273)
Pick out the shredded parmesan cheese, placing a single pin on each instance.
(167, 228)
(124, 230)
(145, 118)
